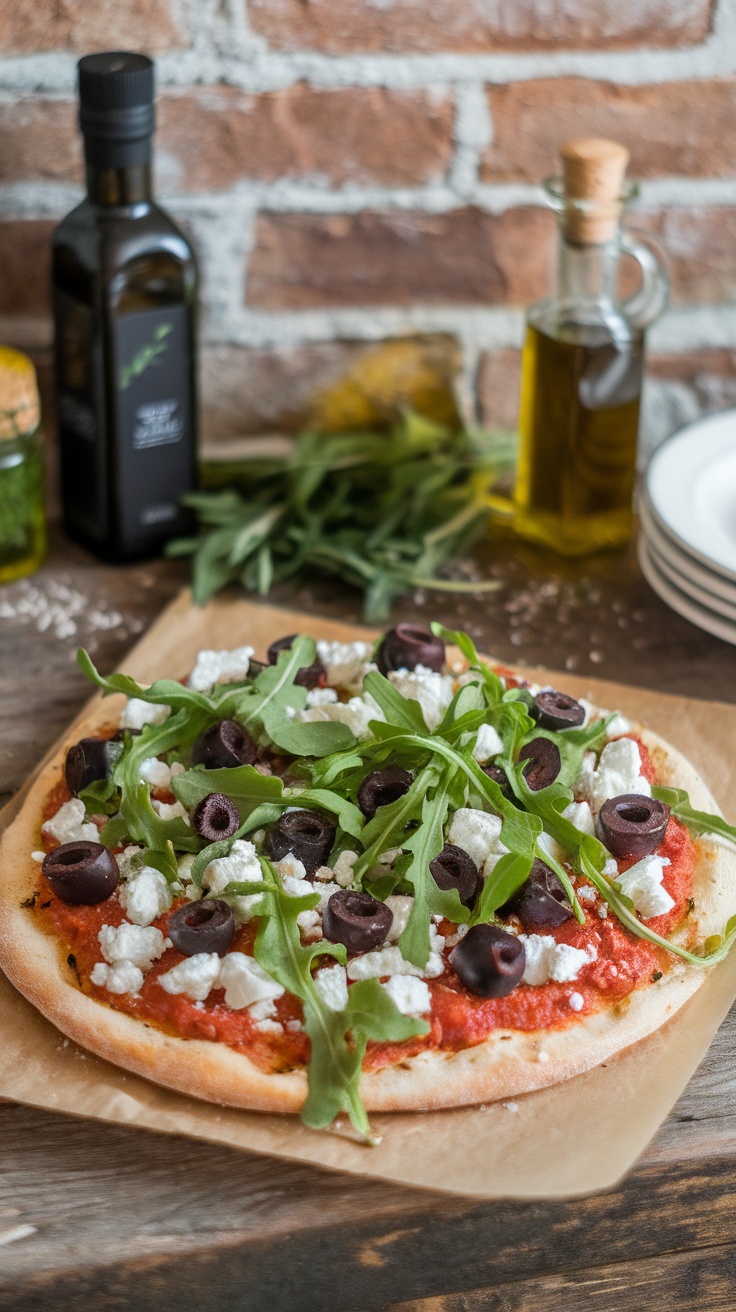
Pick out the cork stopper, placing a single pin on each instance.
(593, 171)
(20, 409)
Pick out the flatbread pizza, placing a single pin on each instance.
(361, 877)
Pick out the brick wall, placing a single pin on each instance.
(367, 169)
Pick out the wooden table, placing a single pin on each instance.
(110, 1218)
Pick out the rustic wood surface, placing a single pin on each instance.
(115, 1218)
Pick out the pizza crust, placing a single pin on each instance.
(502, 1066)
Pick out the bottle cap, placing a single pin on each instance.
(20, 409)
(116, 113)
(593, 170)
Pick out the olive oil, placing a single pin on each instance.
(125, 291)
(579, 422)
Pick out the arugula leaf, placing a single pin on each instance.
(698, 822)
(163, 692)
(100, 798)
(350, 817)
(572, 745)
(388, 827)
(507, 876)
(246, 787)
(404, 712)
(424, 845)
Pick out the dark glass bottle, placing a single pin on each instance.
(125, 292)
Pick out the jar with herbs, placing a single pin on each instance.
(22, 517)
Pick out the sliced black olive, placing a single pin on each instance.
(206, 926)
(358, 920)
(455, 868)
(311, 676)
(88, 760)
(382, 787)
(409, 645)
(223, 746)
(307, 834)
(556, 710)
(546, 763)
(215, 817)
(541, 902)
(489, 961)
(81, 873)
(632, 824)
(500, 777)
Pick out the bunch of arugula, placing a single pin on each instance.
(383, 511)
(329, 766)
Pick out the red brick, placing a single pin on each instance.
(700, 248)
(675, 128)
(211, 137)
(25, 262)
(465, 257)
(247, 392)
(27, 26)
(413, 26)
(497, 388)
(692, 366)
(40, 140)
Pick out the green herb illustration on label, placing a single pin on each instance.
(147, 355)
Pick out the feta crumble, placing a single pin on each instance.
(618, 771)
(546, 959)
(219, 666)
(433, 691)
(476, 832)
(577, 1001)
(487, 744)
(246, 982)
(389, 961)
(332, 986)
(343, 868)
(241, 866)
(642, 882)
(128, 861)
(344, 661)
(580, 815)
(321, 696)
(146, 896)
(141, 945)
(68, 825)
(400, 905)
(137, 713)
(124, 977)
(410, 996)
(170, 810)
(194, 976)
(155, 772)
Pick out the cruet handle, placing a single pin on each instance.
(648, 302)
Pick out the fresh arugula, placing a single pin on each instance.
(698, 822)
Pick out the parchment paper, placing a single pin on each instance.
(553, 1143)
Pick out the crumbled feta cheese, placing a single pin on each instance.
(155, 772)
(240, 866)
(577, 1001)
(344, 661)
(546, 959)
(610, 869)
(580, 815)
(170, 810)
(586, 893)
(323, 874)
(552, 848)
(332, 986)
(642, 882)
(294, 1026)
(219, 666)
(194, 976)
(184, 867)
(411, 996)
(476, 832)
(176, 768)
(492, 860)
(310, 921)
(137, 943)
(270, 1026)
(589, 709)
(603, 911)
(453, 939)
(38, 856)
(263, 1010)
(511, 1106)
(291, 873)
(619, 725)
(356, 714)
(400, 906)
(325, 893)
(146, 896)
(245, 981)
(124, 977)
(137, 713)
(542, 1055)
(618, 771)
(389, 961)
(343, 868)
(487, 744)
(321, 696)
(68, 825)
(433, 691)
(388, 857)
(129, 861)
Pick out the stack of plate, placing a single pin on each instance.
(687, 547)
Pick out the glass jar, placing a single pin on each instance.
(22, 514)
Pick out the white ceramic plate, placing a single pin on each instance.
(701, 598)
(691, 484)
(685, 606)
(664, 547)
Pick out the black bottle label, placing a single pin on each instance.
(126, 426)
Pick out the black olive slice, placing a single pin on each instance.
(382, 787)
(409, 645)
(489, 961)
(500, 777)
(206, 926)
(307, 834)
(455, 868)
(557, 710)
(311, 676)
(215, 817)
(358, 920)
(546, 763)
(632, 825)
(89, 760)
(541, 902)
(223, 746)
(81, 873)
